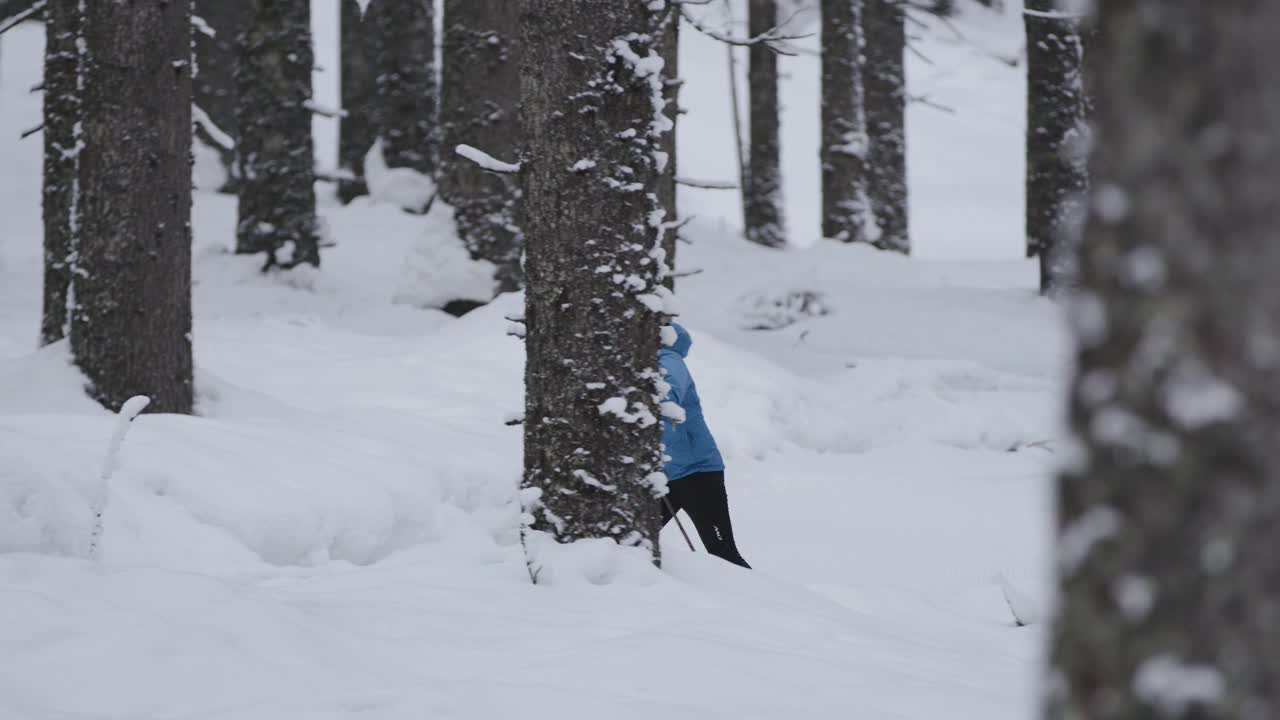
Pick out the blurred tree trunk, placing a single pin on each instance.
(845, 203)
(406, 82)
(215, 79)
(1170, 510)
(762, 198)
(131, 324)
(63, 94)
(667, 183)
(480, 99)
(358, 130)
(277, 165)
(593, 298)
(886, 102)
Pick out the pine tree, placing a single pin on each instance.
(1170, 512)
(277, 166)
(592, 135)
(480, 98)
(215, 78)
(762, 199)
(845, 204)
(63, 93)
(406, 82)
(885, 85)
(358, 128)
(131, 320)
(1057, 176)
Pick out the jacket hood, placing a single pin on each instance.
(683, 341)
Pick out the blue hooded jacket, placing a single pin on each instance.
(690, 444)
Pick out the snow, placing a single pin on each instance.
(492, 164)
(336, 534)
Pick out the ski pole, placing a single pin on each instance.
(680, 525)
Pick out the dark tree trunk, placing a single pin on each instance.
(845, 204)
(1057, 176)
(593, 303)
(480, 98)
(277, 192)
(1170, 513)
(131, 324)
(358, 130)
(762, 199)
(215, 80)
(406, 82)
(63, 88)
(667, 183)
(886, 101)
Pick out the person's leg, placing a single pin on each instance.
(705, 500)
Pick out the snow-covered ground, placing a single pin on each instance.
(335, 535)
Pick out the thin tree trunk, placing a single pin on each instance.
(886, 100)
(667, 184)
(1170, 512)
(845, 205)
(762, 202)
(215, 79)
(131, 325)
(277, 193)
(1057, 176)
(63, 90)
(480, 99)
(358, 130)
(406, 82)
(593, 301)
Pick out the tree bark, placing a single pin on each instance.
(762, 201)
(1170, 513)
(1057, 176)
(63, 92)
(592, 131)
(131, 324)
(277, 193)
(358, 130)
(406, 82)
(480, 99)
(667, 182)
(845, 203)
(215, 79)
(886, 102)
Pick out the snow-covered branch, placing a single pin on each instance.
(486, 161)
(707, 184)
(203, 27)
(217, 134)
(1053, 14)
(8, 23)
(324, 110)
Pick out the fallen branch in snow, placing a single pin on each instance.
(17, 18)
(707, 184)
(32, 131)
(486, 161)
(130, 410)
(324, 110)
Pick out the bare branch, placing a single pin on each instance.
(32, 131)
(687, 273)
(769, 38)
(707, 184)
(924, 100)
(17, 18)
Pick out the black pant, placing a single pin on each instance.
(703, 498)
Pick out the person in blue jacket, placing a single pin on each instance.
(695, 471)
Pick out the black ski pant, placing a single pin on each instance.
(703, 498)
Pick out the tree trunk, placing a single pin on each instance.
(131, 325)
(592, 136)
(667, 183)
(406, 82)
(762, 201)
(277, 192)
(845, 205)
(1170, 513)
(886, 101)
(358, 130)
(63, 92)
(1057, 176)
(215, 79)
(480, 99)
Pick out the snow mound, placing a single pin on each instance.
(598, 561)
(438, 270)
(404, 188)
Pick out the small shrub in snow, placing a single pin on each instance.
(767, 310)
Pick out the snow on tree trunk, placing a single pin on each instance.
(762, 197)
(480, 98)
(845, 206)
(63, 88)
(358, 129)
(671, 85)
(593, 125)
(1057, 176)
(215, 81)
(884, 83)
(406, 82)
(1169, 512)
(277, 166)
(131, 321)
